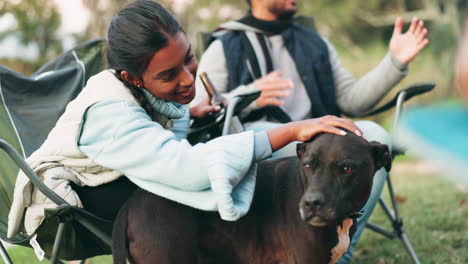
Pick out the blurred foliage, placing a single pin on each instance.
(360, 30)
(37, 23)
(101, 13)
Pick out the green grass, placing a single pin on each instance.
(24, 255)
(434, 213)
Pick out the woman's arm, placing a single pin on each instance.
(119, 135)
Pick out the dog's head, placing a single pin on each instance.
(338, 173)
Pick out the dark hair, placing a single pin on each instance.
(138, 31)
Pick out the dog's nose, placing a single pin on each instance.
(313, 200)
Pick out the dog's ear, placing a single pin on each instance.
(300, 149)
(382, 156)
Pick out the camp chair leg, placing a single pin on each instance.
(396, 212)
(380, 230)
(57, 243)
(397, 223)
(409, 247)
(4, 254)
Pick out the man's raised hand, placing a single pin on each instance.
(405, 46)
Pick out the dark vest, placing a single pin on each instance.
(310, 54)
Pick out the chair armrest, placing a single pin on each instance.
(35, 179)
(397, 102)
(408, 93)
(235, 107)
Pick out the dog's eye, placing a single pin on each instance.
(347, 170)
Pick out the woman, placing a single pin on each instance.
(131, 121)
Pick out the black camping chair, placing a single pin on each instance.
(392, 213)
(29, 108)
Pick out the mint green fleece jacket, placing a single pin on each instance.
(216, 176)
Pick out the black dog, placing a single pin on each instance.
(303, 212)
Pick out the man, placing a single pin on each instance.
(301, 76)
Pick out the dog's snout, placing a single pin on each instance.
(313, 200)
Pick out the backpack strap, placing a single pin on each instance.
(260, 64)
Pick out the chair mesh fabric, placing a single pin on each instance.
(29, 108)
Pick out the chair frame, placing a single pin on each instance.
(77, 214)
(74, 213)
(392, 213)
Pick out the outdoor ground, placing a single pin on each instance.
(434, 213)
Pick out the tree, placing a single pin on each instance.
(194, 15)
(101, 13)
(37, 23)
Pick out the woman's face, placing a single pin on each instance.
(170, 75)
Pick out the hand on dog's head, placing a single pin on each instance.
(338, 172)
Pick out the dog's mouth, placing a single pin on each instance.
(317, 218)
(325, 217)
(317, 221)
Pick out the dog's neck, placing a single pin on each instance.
(343, 240)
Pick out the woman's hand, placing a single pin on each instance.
(203, 108)
(306, 129)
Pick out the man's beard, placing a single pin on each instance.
(285, 15)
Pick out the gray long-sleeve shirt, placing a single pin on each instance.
(354, 96)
